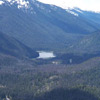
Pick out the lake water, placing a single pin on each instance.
(46, 55)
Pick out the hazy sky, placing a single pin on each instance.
(93, 5)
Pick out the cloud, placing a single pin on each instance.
(93, 5)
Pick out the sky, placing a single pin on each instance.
(91, 5)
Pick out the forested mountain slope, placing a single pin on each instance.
(89, 44)
(12, 47)
(43, 26)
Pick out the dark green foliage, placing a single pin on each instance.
(75, 58)
(67, 94)
(23, 80)
(89, 44)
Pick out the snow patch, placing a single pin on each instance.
(20, 3)
(1, 2)
(71, 12)
(78, 10)
(8, 0)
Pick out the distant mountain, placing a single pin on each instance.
(12, 47)
(42, 26)
(94, 17)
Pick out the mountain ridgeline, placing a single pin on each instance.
(44, 26)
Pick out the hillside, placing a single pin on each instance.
(89, 44)
(23, 80)
(43, 26)
(11, 46)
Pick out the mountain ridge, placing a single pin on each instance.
(44, 26)
(12, 47)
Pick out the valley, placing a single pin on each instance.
(48, 53)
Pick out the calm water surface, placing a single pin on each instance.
(46, 55)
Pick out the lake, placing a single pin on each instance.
(46, 55)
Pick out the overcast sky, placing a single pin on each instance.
(93, 5)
